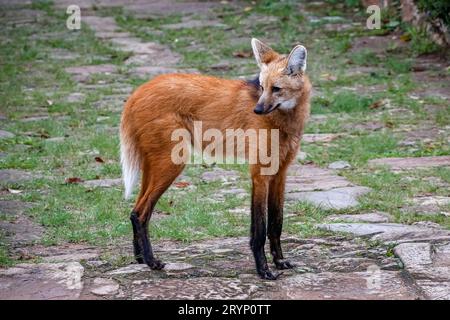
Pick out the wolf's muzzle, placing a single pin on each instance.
(259, 109)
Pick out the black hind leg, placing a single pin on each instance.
(142, 247)
(154, 183)
(137, 247)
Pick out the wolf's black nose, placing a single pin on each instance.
(259, 109)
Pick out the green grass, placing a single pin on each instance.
(5, 259)
(392, 191)
(421, 42)
(344, 102)
(355, 149)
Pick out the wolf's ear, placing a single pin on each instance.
(296, 60)
(263, 53)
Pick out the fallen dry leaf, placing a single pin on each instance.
(181, 184)
(329, 77)
(405, 37)
(378, 104)
(242, 54)
(73, 180)
(99, 159)
(389, 124)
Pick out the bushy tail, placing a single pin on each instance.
(129, 157)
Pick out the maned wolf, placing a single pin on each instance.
(278, 100)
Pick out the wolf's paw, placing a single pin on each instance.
(268, 275)
(283, 264)
(139, 259)
(156, 264)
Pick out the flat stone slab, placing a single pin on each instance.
(101, 24)
(18, 229)
(192, 289)
(67, 252)
(429, 267)
(429, 206)
(113, 103)
(321, 187)
(412, 163)
(432, 200)
(318, 183)
(13, 208)
(372, 217)
(55, 139)
(43, 281)
(190, 24)
(219, 174)
(115, 88)
(365, 126)
(374, 284)
(301, 156)
(339, 165)
(22, 16)
(234, 191)
(148, 9)
(42, 117)
(389, 232)
(146, 53)
(376, 44)
(338, 198)
(102, 183)
(76, 97)
(8, 176)
(83, 73)
(413, 135)
(35, 118)
(151, 71)
(313, 178)
(132, 268)
(180, 266)
(309, 171)
(21, 231)
(240, 211)
(104, 287)
(62, 54)
(6, 135)
(319, 137)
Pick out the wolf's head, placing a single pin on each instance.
(281, 77)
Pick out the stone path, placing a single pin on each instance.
(147, 58)
(412, 163)
(321, 187)
(220, 269)
(17, 227)
(429, 265)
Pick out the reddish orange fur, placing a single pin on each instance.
(174, 101)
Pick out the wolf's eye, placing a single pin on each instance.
(276, 89)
